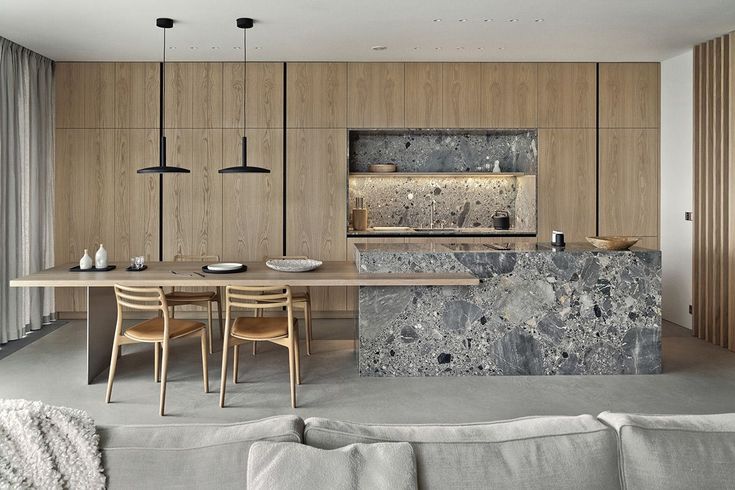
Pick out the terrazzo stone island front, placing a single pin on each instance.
(537, 311)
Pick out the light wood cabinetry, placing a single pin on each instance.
(375, 95)
(629, 182)
(316, 197)
(316, 95)
(508, 95)
(567, 96)
(136, 95)
(423, 89)
(567, 180)
(629, 95)
(99, 95)
(69, 88)
(461, 90)
(264, 92)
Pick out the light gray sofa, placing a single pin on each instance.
(609, 451)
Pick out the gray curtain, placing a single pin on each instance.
(26, 186)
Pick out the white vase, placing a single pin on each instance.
(86, 261)
(496, 168)
(100, 258)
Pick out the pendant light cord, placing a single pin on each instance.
(244, 78)
(163, 86)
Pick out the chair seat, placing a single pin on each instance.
(183, 297)
(152, 330)
(259, 328)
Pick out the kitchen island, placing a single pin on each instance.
(538, 310)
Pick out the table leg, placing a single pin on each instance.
(101, 318)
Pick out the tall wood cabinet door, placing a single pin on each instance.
(567, 182)
(461, 90)
(264, 93)
(629, 182)
(253, 203)
(423, 95)
(567, 95)
(316, 196)
(375, 95)
(69, 88)
(99, 95)
(179, 88)
(630, 95)
(316, 95)
(508, 96)
(136, 95)
(206, 98)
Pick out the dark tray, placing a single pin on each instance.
(130, 268)
(241, 269)
(93, 269)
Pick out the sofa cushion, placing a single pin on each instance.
(529, 453)
(289, 466)
(187, 456)
(675, 451)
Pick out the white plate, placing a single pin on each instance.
(293, 265)
(224, 266)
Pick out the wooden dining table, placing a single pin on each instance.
(102, 308)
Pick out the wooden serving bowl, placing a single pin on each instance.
(613, 242)
(382, 168)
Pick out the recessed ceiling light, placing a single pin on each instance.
(538, 20)
(481, 49)
(257, 47)
(462, 20)
(379, 48)
(416, 48)
(500, 49)
(460, 47)
(215, 47)
(193, 48)
(437, 20)
(512, 20)
(437, 49)
(172, 47)
(487, 20)
(236, 47)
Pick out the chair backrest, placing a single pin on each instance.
(137, 298)
(258, 297)
(196, 258)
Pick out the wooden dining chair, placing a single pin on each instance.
(203, 299)
(158, 331)
(302, 300)
(276, 329)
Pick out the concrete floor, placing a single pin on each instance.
(698, 378)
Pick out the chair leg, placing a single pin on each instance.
(292, 374)
(205, 367)
(209, 326)
(223, 378)
(297, 356)
(113, 367)
(235, 362)
(219, 313)
(307, 320)
(157, 362)
(164, 372)
(255, 347)
(173, 312)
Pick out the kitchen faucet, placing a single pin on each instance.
(431, 214)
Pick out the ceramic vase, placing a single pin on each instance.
(86, 261)
(100, 258)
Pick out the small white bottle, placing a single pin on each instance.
(85, 262)
(100, 258)
(496, 168)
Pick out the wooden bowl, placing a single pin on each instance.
(613, 242)
(382, 168)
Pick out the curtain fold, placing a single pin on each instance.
(26, 186)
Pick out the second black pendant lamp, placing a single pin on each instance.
(162, 168)
(244, 23)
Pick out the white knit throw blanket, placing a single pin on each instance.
(42, 446)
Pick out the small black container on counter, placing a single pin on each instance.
(501, 220)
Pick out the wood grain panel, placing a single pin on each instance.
(698, 148)
(136, 195)
(629, 182)
(729, 132)
(423, 88)
(177, 196)
(69, 88)
(461, 95)
(316, 95)
(179, 95)
(264, 92)
(508, 96)
(375, 97)
(206, 95)
(629, 95)
(99, 182)
(253, 203)
(99, 95)
(136, 95)
(316, 201)
(651, 242)
(567, 182)
(567, 95)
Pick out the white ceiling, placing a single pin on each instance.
(340, 30)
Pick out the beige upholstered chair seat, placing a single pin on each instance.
(249, 328)
(176, 297)
(152, 330)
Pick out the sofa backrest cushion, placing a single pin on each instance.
(675, 451)
(187, 456)
(529, 453)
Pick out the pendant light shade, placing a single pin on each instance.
(244, 23)
(162, 168)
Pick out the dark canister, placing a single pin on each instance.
(501, 220)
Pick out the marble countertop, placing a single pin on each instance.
(458, 232)
(451, 248)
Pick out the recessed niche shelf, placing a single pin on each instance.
(436, 174)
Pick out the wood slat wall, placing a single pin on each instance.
(714, 183)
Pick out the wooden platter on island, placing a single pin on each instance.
(613, 242)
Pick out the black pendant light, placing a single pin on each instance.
(162, 168)
(244, 23)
